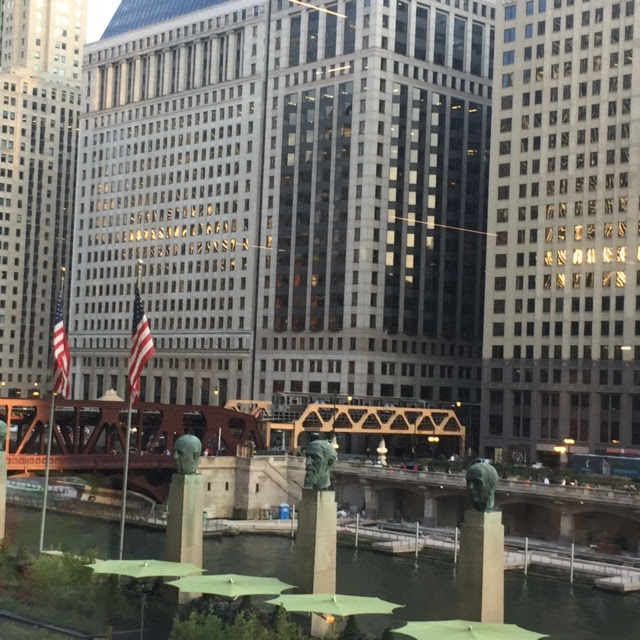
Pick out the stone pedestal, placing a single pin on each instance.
(183, 540)
(315, 551)
(480, 579)
(3, 492)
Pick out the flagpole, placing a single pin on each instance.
(47, 464)
(123, 513)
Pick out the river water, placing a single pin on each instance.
(563, 611)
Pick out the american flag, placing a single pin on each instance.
(61, 358)
(141, 346)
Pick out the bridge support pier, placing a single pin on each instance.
(566, 528)
(430, 518)
(370, 501)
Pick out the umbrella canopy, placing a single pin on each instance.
(231, 585)
(466, 630)
(145, 568)
(333, 604)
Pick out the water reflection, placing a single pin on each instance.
(565, 612)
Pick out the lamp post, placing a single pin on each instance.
(561, 450)
(216, 393)
(433, 441)
(2, 386)
(334, 442)
(382, 453)
(569, 442)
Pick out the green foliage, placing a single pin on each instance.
(199, 626)
(351, 630)
(13, 631)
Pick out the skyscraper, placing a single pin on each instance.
(298, 181)
(561, 334)
(40, 56)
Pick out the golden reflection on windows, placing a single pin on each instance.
(577, 256)
(591, 256)
(575, 280)
(606, 278)
(621, 278)
(548, 234)
(562, 256)
(607, 254)
(549, 211)
(621, 254)
(591, 231)
(547, 282)
(562, 234)
(548, 257)
(560, 281)
(622, 204)
(608, 229)
(577, 232)
(622, 229)
(589, 280)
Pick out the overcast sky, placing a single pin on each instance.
(98, 16)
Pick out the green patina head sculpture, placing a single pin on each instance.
(321, 456)
(186, 454)
(482, 480)
(3, 434)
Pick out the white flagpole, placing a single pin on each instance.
(47, 463)
(125, 480)
(46, 472)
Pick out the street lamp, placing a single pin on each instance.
(382, 453)
(216, 393)
(569, 442)
(334, 443)
(433, 440)
(349, 399)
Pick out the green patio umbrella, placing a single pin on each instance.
(144, 569)
(333, 604)
(466, 630)
(231, 585)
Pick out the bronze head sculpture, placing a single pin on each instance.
(186, 454)
(321, 456)
(482, 480)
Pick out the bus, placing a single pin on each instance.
(621, 466)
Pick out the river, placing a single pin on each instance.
(564, 611)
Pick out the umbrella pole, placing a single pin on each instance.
(46, 472)
(143, 604)
(125, 480)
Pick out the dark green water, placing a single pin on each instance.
(565, 612)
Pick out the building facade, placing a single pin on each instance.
(40, 58)
(561, 333)
(332, 155)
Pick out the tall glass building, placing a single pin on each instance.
(40, 59)
(305, 186)
(561, 331)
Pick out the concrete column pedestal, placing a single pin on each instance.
(480, 579)
(315, 551)
(3, 492)
(183, 540)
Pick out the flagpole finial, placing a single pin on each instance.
(63, 270)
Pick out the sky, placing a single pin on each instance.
(99, 12)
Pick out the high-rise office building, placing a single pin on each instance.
(561, 331)
(296, 181)
(40, 58)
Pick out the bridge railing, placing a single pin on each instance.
(521, 487)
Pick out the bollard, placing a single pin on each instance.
(526, 555)
(455, 548)
(571, 568)
(417, 537)
(357, 528)
(293, 519)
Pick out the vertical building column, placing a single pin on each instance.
(430, 518)
(182, 68)
(137, 78)
(151, 83)
(124, 81)
(166, 72)
(566, 527)
(214, 48)
(198, 54)
(370, 500)
(109, 87)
